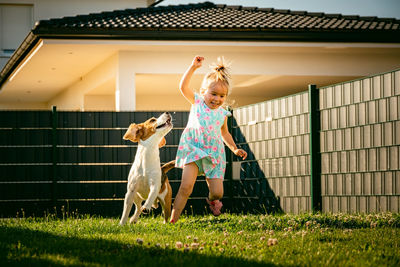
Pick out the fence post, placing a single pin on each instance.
(315, 152)
(54, 155)
(229, 160)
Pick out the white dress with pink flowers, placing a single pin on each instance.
(201, 141)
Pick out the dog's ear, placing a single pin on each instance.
(162, 143)
(134, 133)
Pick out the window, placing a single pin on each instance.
(15, 23)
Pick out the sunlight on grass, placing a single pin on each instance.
(307, 239)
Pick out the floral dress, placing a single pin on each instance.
(201, 141)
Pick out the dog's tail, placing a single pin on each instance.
(164, 169)
(167, 166)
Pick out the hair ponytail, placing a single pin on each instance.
(219, 73)
(221, 70)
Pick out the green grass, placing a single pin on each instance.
(228, 240)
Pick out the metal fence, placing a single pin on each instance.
(276, 133)
(77, 161)
(335, 149)
(360, 144)
(354, 165)
(74, 160)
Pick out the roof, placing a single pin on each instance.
(207, 21)
(176, 22)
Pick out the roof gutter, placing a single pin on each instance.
(17, 57)
(211, 33)
(156, 3)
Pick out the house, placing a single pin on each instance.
(18, 17)
(132, 59)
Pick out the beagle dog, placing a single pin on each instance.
(146, 180)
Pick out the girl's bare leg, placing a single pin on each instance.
(216, 188)
(189, 176)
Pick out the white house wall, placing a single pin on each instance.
(271, 61)
(269, 64)
(46, 9)
(99, 102)
(21, 105)
(144, 75)
(73, 98)
(18, 17)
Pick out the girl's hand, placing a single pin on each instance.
(197, 61)
(240, 153)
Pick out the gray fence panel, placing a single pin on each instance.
(91, 160)
(276, 135)
(360, 144)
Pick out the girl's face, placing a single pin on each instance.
(215, 95)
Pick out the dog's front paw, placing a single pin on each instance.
(145, 210)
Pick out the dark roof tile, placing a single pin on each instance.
(332, 16)
(283, 11)
(315, 14)
(250, 8)
(234, 7)
(298, 13)
(266, 9)
(351, 17)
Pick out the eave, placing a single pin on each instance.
(215, 34)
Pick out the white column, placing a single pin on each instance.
(125, 93)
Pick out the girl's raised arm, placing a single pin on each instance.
(185, 80)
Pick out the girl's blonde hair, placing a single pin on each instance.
(219, 73)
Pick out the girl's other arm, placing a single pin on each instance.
(185, 80)
(228, 140)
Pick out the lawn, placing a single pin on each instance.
(228, 240)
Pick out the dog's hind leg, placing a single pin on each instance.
(138, 209)
(166, 205)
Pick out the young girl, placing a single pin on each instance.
(201, 149)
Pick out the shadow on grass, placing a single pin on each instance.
(22, 247)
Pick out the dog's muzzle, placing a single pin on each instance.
(167, 122)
